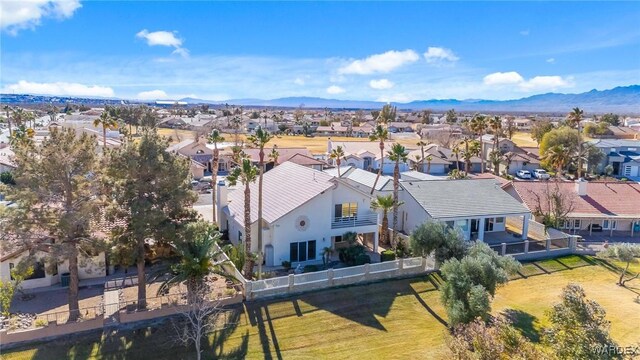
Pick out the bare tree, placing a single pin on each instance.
(552, 205)
(198, 319)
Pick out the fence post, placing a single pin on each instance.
(366, 271)
(572, 243)
(400, 264)
(292, 279)
(526, 246)
(424, 264)
(330, 277)
(548, 245)
(504, 249)
(248, 286)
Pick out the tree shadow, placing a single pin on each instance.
(424, 304)
(524, 322)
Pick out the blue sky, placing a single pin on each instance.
(387, 51)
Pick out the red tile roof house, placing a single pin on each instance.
(601, 210)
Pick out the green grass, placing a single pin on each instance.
(393, 319)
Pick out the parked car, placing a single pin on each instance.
(524, 174)
(541, 174)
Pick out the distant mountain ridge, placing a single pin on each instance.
(622, 99)
(625, 99)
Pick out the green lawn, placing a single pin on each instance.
(394, 319)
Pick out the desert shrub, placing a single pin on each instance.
(286, 265)
(388, 255)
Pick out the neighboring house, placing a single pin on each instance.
(521, 159)
(521, 124)
(608, 206)
(436, 165)
(622, 155)
(437, 151)
(173, 122)
(433, 131)
(400, 127)
(366, 155)
(364, 180)
(307, 161)
(6, 163)
(304, 211)
(285, 153)
(417, 176)
(478, 208)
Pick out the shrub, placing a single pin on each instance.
(388, 255)
(286, 265)
(310, 268)
(41, 323)
(362, 259)
(349, 254)
(402, 249)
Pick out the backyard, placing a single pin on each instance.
(399, 319)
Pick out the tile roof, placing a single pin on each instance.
(443, 199)
(284, 153)
(302, 159)
(363, 177)
(285, 188)
(602, 199)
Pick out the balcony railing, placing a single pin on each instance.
(353, 221)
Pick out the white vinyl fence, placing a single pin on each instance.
(338, 277)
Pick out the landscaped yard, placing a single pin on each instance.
(394, 319)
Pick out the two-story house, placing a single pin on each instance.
(518, 158)
(304, 211)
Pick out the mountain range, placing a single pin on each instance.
(622, 99)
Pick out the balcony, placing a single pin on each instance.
(355, 221)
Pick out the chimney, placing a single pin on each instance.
(222, 201)
(581, 187)
(329, 146)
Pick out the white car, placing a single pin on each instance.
(541, 174)
(524, 174)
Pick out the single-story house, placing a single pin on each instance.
(613, 207)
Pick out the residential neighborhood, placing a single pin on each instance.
(257, 187)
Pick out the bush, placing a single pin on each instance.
(349, 254)
(402, 250)
(286, 265)
(362, 259)
(388, 255)
(310, 268)
(41, 323)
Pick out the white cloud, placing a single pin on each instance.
(152, 95)
(380, 63)
(164, 38)
(536, 83)
(503, 78)
(525, 32)
(334, 89)
(298, 81)
(439, 54)
(551, 60)
(381, 84)
(58, 88)
(18, 15)
(546, 83)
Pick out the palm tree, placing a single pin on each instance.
(479, 125)
(557, 156)
(337, 154)
(214, 138)
(467, 154)
(326, 255)
(274, 155)
(259, 139)
(107, 122)
(246, 173)
(8, 110)
(429, 159)
(384, 203)
(422, 144)
(379, 134)
(198, 257)
(456, 152)
(18, 116)
(397, 154)
(495, 124)
(574, 119)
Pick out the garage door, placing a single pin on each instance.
(631, 170)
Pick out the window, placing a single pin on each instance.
(239, 236)
(614, 224)
(38, 271)
(346, 210)
(302, 251)
(499, 220)
(462, 225)
(576, 224)
(605, 224)
(337, 239)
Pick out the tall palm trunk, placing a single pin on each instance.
(74, 306)
(467, 158)
(261, 154)
(248, 267)
(9, 123)
(381, 164)
(496, 166)
(142, 281)
(422, 160)
(481, 152)
(214, 176)
(428, 166)
(396, 181)
(104, 137)
(385, 227)
(579, 152)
